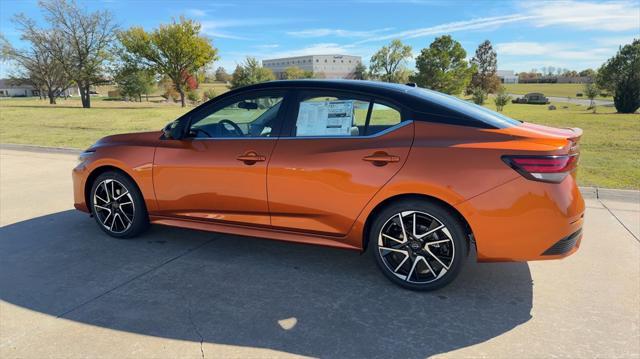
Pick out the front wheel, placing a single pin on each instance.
(117, 205)
(418, 245)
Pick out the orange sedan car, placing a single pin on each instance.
(415, 177)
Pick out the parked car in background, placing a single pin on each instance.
(412, 176)
(533, 98)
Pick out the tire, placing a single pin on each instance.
(430, 256)
(117, 205)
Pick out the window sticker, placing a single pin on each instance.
(325, 118)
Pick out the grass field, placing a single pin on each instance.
(610, 154)
(556, 90)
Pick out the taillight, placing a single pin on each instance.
(543, 168)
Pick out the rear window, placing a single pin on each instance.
(453, 107)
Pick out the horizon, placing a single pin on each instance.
(569, 34)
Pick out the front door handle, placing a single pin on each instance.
(251, 158)
(381, 158)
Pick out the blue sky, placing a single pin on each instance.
(526, 34)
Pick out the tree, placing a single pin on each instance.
(591, 91)
(292, 73)
(486, 62)
(588, 73)
(360, 73)
(134, 82)
(250, 72)
(222, 75)
(388, 63)
(621, 75)
(80, 41)
(442, 66)
(35, 63)
(501, 99)
(176, 50)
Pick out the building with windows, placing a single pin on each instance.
(507, 76)
(323, 66)
(24, 88)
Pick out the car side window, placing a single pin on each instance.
(343, 116)
(382, 117)
(329, 116)
(249, 117)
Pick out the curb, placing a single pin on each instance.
(627, 195)
(40, 149)
(587, 192)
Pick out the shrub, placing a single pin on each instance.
(208, 94)
(193, 96)
(579, 94)
(478, 96)
(502, 99)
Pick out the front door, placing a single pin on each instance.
(219, 172)
(340, 150)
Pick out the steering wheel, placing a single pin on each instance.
(196, 130)
(236, 128)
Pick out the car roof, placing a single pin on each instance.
(435, 106)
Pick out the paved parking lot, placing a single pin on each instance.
(68, 290)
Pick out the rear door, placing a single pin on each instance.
(336, 152)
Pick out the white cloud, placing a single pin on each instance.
(524, 55)
(606, 16)
(474, 24)
(335, 32)
(267, 46)
(195, 12)
(214, 28)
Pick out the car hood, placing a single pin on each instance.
(130, 139)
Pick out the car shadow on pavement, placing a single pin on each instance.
(212, 288)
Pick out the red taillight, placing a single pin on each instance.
(543, 168)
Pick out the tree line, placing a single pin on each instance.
(80, 48)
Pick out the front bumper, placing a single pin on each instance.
(79, 177)
(525, 220)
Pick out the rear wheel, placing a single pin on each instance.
(117, 205)
(418, 245)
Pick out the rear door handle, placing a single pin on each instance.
(381, 158)
(251, 158)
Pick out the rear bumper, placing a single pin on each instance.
(526, 220)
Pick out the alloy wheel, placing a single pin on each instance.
(416, 247)
(113, 206)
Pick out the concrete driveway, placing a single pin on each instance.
(68, 290)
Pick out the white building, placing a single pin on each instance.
(507, 76)
(11, 88)
(324, 66)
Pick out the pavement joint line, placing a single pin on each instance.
(619, 221)
(180, 255)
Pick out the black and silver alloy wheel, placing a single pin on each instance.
(114, 207)
(118, 206)
(418, 246)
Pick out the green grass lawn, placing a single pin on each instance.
(610, 155)
(556, 90)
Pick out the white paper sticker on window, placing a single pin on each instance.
(325, 118)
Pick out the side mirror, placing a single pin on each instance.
(248, 105)
(175, 130)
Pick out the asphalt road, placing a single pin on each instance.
(67, 290)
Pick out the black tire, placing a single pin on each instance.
(447, 252)
(129, 220)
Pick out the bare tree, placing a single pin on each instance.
(36, 64)
(80, 41)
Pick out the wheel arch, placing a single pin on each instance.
(97, 172)
(409, 196)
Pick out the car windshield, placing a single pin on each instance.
(467, 108)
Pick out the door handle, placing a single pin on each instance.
(381, 158)
(251, 158)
